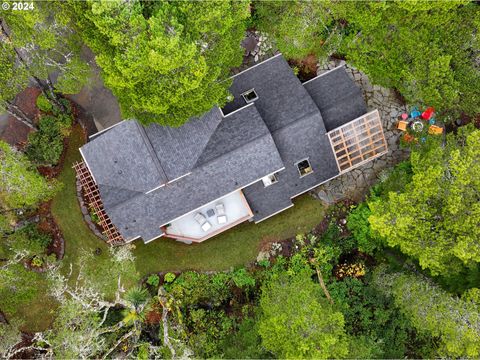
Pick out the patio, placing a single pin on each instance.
(211, 219)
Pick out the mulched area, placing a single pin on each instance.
(307, 67)
(48, 225)
(16, 133)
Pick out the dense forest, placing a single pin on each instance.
(396, 275)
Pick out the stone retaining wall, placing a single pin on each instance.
(86, 213)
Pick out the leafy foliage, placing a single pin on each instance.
(45, 146)
(297, 322)
(455, 321)
(358, 224)
(163, 60)
(299, 28)
(29, 240)
(375, 322)
(20, 183)
(435, 219)
(399, 45)
(43, 104)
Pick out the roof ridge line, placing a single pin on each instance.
(254, 66)
(244, 145)
(223, 118)
(209, 139)
(150, 149)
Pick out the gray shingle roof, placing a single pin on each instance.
(281, 97)
(217, 178)
(235, 130)
(118, 156)
(337, 97)
(221, 154)
(179, 148)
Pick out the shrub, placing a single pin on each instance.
(153, 280)
(357, 223)
(44, 104)
(196, 289)
(169, 277)
(46, 145)
(242, 278)
(29, 239)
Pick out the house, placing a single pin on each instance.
(276, 139)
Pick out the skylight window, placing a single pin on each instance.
(269, 180)
(250, 96)
(304, 167)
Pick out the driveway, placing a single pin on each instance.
(95, 98)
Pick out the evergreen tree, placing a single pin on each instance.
(299, 28)
(455, 321)
(165, 61)
(436, 219)
(426, 50)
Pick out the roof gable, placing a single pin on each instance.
(281, 97)
(234, 131)
(123, 158)
(337, 97)
(179, 148)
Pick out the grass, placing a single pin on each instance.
(235, 247)
(66, 211)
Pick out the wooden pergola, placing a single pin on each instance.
(358, 141)
(92, 197)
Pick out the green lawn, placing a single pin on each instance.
(235, 247)
(232, 248)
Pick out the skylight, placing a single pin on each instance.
(250, 96)
(304, 167)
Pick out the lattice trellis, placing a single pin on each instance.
(358, 141)
(92, 196)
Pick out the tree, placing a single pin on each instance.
(20, 184)
(436, 218)
(455, 321)
(164, 61)
(14, 79)
(426, 50)
(10, 337)
(299, 28)
(297, 322)
(44, 43)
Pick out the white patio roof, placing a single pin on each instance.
(187, 228)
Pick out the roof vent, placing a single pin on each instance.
(250, 96)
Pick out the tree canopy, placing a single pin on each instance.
(426, 50)
(164, 61)
(297, 322)
(456, 321)
(20, 183)
(44, 44)
(436, 219)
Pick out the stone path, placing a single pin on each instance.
(355, 184)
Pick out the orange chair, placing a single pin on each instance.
(435, 130)
(402, 125)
